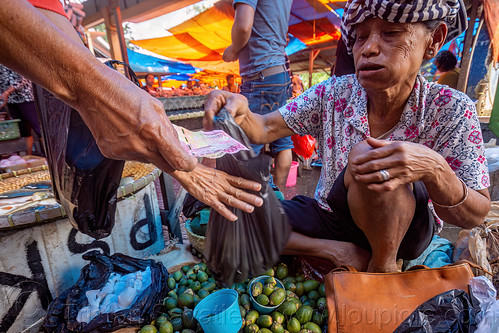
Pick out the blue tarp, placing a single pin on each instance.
(177, 77)
(294, 45)
(145, 63)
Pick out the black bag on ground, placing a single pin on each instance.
(453, 311)
(84, 181)
(62, 312)
(247, 247)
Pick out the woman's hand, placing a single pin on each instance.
(236, 104)
(218, 189)
(405, 163)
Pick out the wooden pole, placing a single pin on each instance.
(311, 57)
(121, 34)
(112, 35)
(467, 49)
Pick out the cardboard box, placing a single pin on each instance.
(36, 161)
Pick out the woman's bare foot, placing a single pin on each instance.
(344, 253)
(386, 268)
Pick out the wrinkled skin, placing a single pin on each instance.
(125, 121)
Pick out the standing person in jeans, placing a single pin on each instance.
(258, 40)
(16, 92)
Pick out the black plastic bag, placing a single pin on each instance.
(247, 247)
(192, 206)
(62, 312)
(451, 312)
(84, 181)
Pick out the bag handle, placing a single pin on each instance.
(471, 264)
(344, 268)
(128, 70)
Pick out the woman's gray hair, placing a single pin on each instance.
(433, 24)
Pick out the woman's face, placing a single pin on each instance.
(387, 54)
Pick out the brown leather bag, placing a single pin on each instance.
(380, 302)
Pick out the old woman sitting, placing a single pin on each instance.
(399, 153)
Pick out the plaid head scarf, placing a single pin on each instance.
(452, 12)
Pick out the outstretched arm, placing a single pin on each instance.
(259, 129)
(126, 122)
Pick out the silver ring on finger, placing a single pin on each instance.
(384, 175)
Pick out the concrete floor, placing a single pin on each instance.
(307, 181)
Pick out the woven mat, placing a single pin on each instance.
(15, 183)
(137, 170)
(133, 169)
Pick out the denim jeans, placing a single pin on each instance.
(266, 95)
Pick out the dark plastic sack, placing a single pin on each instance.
(303, 145)
(451, 312)
(192, 206)
(247, 247)
(62, 312)
(84, 181)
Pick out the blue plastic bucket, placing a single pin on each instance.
(219, 312)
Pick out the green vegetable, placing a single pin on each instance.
(177, 324)
(293, 325)
(170, 303)
(177, 275)
(148, 329)
(313, 327)
(277, 328)
(171, 283)
(186, 300)
(245, 301)
(251, 317)
(282, 271)
(166, 328)
(252, 328)
(264, 321)
(256, 289)
(277, 296)
(314, 294)
(268, 288)
(299, 291)
(310, 285)
(288, 308)
(262, 299)
(304, 314)
(277, 317)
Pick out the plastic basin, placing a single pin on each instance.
(219, 312)
(264, 309)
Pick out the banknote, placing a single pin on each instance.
(212, 144)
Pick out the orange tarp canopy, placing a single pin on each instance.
(202, 40)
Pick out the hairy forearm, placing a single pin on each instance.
(445, 188)
(31, 46)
